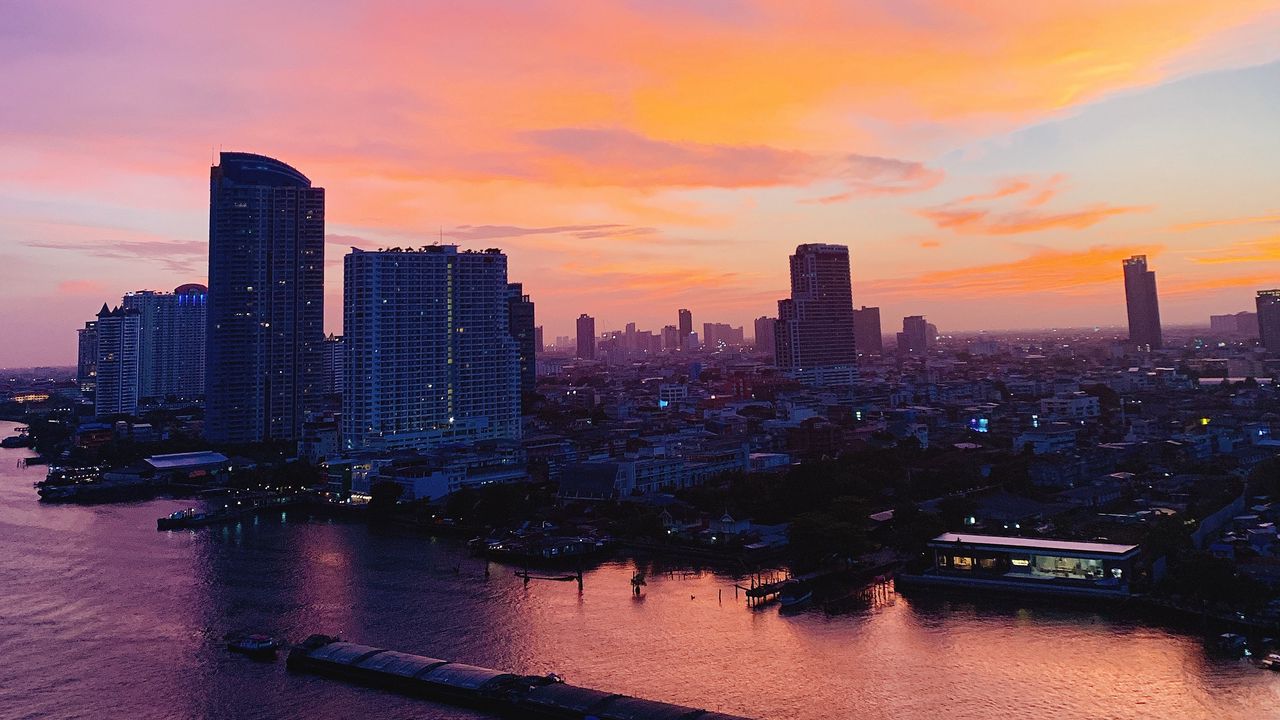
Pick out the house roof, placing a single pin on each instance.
(1047, 544)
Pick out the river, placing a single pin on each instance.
(103, 616)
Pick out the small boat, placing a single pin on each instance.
(1231, 643)
(1271, 662)
(794, 597)
(262, 647)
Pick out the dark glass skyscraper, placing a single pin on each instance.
(1142, 303)
(266, 299)
(521, 323)
(866, 331)
(586, 337)
(814, 335)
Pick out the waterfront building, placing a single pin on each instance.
(914, 337)
(430, 360)
(171, 346)
(523, 332)
(1269, 319)
(686, 325)
(1038, 565)
(87, 357)
(264, 350)
(814, 337)
(1142, 304)
(586, 337)
(116, 381)
(866, 331)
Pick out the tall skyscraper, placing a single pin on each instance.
(670, 338)
(586, 337)
(266, 300)
(914, 337)
(814, 336)
(430, 359)
(1269, 319)
(116, 383)
(539, 346)
(766, 335)
(1143, 304)
(87, 357)
(520, 321)
(171, 350)
(685, 325)
(866, 331)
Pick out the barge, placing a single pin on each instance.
(508, 694)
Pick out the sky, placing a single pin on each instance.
(988, 163)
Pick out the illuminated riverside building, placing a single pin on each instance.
(1038, 565)
(430, 360)
(171, 341)
(264, 347)
(116, 381)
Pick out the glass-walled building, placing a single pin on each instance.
(1038, 564)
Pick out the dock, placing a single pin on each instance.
(506, 694)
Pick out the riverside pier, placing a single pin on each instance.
(508, 694)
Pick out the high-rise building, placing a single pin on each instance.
(814, 336)
(520, 321)
(866, 331)
(765, 335)
(334, 364)
(670, 338)
(586, 337)
(1269, 319)
(87, 357)
(116, 383)
(685, 325)
(914, 337)
(171, 348)
(264, 352)
(1241, 323)
(716, 334)
(1143, 304)
(539, 346)
(430, 360)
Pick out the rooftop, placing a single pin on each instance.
(1036, 544)
(187, 459)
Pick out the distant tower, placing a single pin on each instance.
(264, 358)
(686, 325)
(914, 337)
(520, 320)
(586, 337)
(1142, 303)
(765, 335)
(814, 337)
(1269, 319)
(87, 358)
(866, 331)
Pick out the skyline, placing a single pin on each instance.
(675, 165)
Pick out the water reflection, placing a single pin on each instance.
(104, 616)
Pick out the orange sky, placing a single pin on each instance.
(636, 157)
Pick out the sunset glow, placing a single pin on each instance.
(637, 157)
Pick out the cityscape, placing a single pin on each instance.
(659, 384)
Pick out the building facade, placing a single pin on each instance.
(586, 337)
(866, 331)
(524, 333)
(87, 357)
(814, 337)
(1269, 319)
(264, 345)
(685, 324)
(171, 351)
(914, 337)
(430, 360)
(765, 337)
(116, 381)
(1142, 304)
